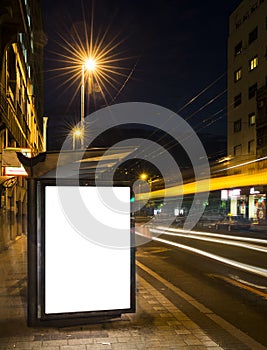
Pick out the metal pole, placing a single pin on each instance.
(32, 253)
(73, 140)
(82, 109)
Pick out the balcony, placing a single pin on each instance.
(14, 121)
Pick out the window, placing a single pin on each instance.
(261, 141)
(11, 69)
(253, 63)
(238, 75)
(251, 146)
(237, 100)
(238, 150)
(251, 119)
(238, 48)
(252, 90)
(237, 125)
(246, 16)
(238, 24)
(253, 35)
(254, 7)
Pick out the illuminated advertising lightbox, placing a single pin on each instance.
(87, 255)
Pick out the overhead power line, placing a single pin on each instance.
(201, 92)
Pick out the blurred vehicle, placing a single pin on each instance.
(233, 222)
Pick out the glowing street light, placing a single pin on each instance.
(143, 176)
(76, 133)
(89, 65)
(93, 59)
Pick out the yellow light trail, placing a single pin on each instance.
(213, 184)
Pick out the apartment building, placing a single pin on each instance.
(21, 106)
(247, 105)
(247, 81)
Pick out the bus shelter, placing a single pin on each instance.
(81, 257)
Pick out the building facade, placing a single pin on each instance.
(247, 75)
(247, 103)
(21, 105)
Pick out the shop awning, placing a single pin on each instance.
(87, 164)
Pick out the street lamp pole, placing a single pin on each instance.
(82, 108)
(90, 66)
(73, 141)
(76, 133)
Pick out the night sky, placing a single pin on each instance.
(170, 51)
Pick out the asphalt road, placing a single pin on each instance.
(224, 280)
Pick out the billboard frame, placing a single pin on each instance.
(36, 262)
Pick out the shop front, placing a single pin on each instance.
(249, 203)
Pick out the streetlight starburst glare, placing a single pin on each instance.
(98, 53)
(90, 64)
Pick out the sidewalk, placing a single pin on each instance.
(157, 323)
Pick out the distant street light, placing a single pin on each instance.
(89, 65)
(143, 176)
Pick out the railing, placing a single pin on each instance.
(3, 104)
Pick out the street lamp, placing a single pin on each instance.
(89, 65)
(143, 176)
(76, 133)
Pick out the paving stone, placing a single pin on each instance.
(157, 323)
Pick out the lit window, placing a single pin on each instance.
(252, 90)
(251, 119)
(238, 48)
(253, 63)
(238, 74)
(253, 35)
(237, 100)
(237, 125)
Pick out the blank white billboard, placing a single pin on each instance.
(81, 275)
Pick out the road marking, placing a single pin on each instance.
(237, 333)
(240, 284)
(248, 283)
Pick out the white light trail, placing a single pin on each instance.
(236, 264)
(211, 234)
(214, 240)
(249, 268)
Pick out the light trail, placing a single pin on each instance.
(213, 240)
(241, 266)
(211, 234)
(213, 184)
(245, 267)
